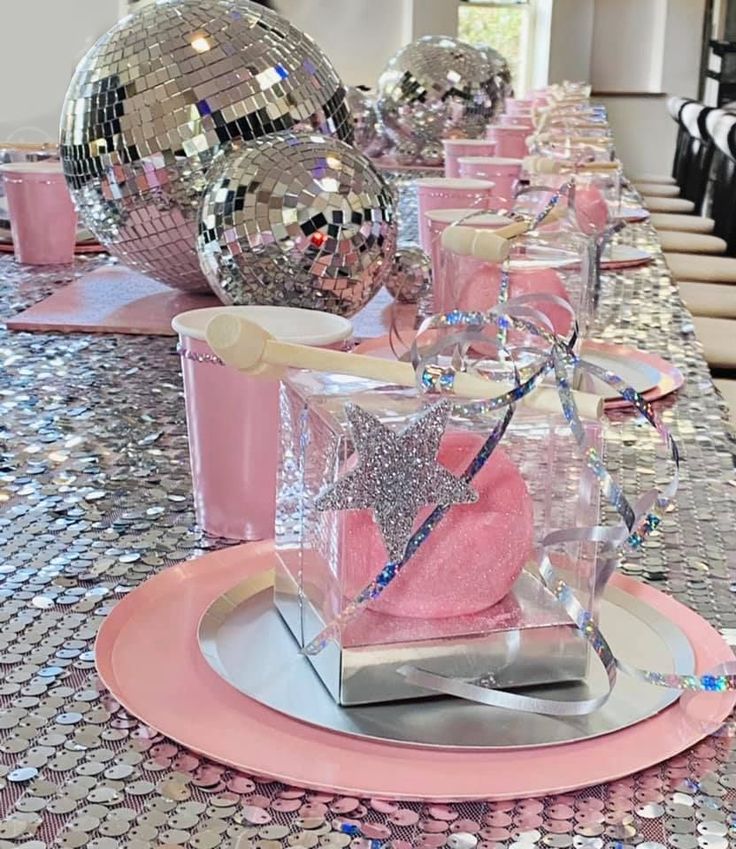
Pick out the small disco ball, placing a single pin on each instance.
(365, 120)
(298, 220)
(436, 86)
(411, 275)
(160, 96)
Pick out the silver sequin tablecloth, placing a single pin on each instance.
(95, 498)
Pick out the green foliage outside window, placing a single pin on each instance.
(500, 27)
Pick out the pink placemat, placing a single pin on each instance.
(111, 300)
(118, 300)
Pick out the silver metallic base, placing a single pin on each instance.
(244, 640)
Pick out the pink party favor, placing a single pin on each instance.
(42, 216)
(233, 419)
(467, 603)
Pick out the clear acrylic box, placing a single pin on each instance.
(324, 558)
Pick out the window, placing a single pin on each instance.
(503, 25)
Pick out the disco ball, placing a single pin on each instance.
(298, 220)
(411, 275)
(434, 87)
(502, 69)
(365, 120)
(160, 96)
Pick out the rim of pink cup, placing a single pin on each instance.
(466, 142)
(500, 161)
(453, 183)
(288, 324)
(475, 217)
(45, 169)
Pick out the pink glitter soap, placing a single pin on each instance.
(481, 291)
(470, 562)
(591, 210)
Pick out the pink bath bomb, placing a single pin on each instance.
(473, 557)
(481, 291)
(591, 210)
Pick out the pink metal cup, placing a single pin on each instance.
(449, 193)
(42, 216)
(510, 140)
(504, 172)
(233, 419)
(455, 148)
(439, 220)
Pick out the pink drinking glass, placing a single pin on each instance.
(450, 193)
(504, 172)
(233, 419)
(510, 140)
(455, 148)
(42, 216)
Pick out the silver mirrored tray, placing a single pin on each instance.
(243, 638)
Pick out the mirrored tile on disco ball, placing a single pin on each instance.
(157, 99)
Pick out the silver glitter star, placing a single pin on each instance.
(396, 474)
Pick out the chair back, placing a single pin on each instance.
(721, 206)
(684, 146)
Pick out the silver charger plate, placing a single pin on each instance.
(245, 641)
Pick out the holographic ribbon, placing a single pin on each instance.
(637, 522)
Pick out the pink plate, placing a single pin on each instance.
(148, 657)
(654, 377)
(668, 377)
(625, 256)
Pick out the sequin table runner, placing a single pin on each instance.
(95, 498)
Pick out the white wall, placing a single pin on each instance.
(641, 47)
(42, 41)
(570, 39)
(360, 36)
(628, 45)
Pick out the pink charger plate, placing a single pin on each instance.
(670, 377)
(148, 657)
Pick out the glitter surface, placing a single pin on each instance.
(160, 96)
(95, 497)
(396, 474)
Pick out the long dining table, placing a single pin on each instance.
(95, 497)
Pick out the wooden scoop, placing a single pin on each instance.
(490, 245)
(247, 347)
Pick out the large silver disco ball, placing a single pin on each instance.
(158, 97)
(300, 220)
(436, 87)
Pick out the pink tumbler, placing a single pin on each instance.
(233, 419)
(510, 140)
(502, 171)
(42, 216)
(449, 193)
(455, 148)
